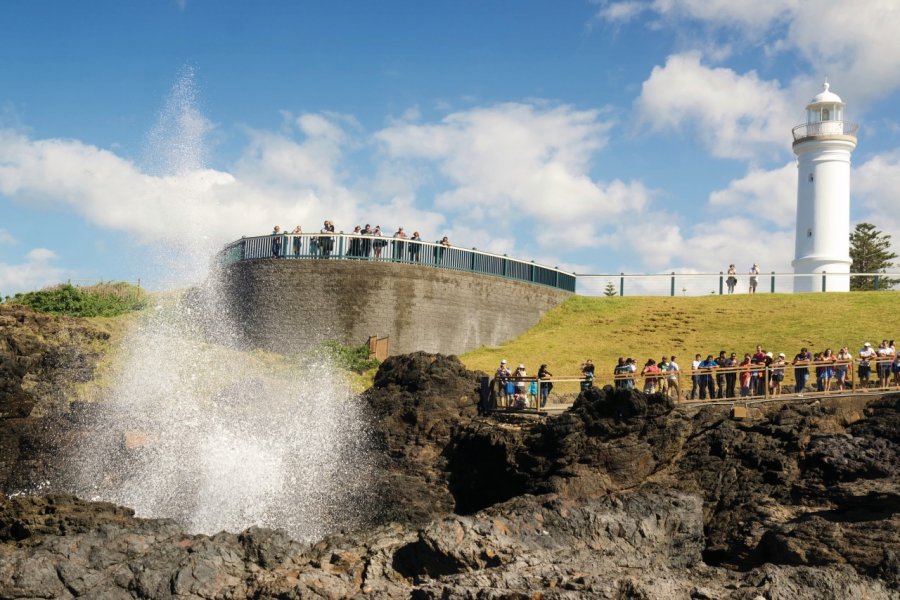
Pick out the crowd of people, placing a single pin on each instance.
(761, 373)
(516, 390)
(404, 247)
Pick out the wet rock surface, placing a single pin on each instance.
(41, 356)
(623, 496)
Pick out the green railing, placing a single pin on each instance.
(343, 246)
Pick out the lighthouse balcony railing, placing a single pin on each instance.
(805, 130)
(342, 246)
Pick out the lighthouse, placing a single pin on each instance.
(823, 146)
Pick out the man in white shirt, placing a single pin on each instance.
(866, 354)
(673, 372)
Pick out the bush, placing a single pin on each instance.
(351, 358)
(102, 300)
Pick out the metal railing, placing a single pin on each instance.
(700, 284)
(344, 246)
(824, 128)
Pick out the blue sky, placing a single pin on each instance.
(602, 136)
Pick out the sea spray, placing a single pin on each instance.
(198, 428)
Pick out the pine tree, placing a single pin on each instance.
(610, 290)
(870, 251)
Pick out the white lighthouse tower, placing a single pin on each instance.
(823, 146)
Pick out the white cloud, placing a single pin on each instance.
(36, 272)
(6, 237)
(766, 195)
(40, 255)
(620, 12)
(519, 164)
(736, 116)
(706, 247)
(854, 44)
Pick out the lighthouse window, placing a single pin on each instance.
(825, 114)
(811, 177)
(809, 233)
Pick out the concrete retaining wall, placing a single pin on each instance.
(289, 305)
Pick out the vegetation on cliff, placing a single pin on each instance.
(101, 300)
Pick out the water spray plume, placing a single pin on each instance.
(202, 431)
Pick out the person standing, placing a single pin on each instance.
(885, 358)
(502, 378)
(587, 373)
(754, 278)
(297, 239)
(276, 241)
(695, 376)
(731, 375)
(326, 242)
(519, 376)
(866, 355)
(732, 279)
(745, 375)
(414, 246)
(758, 378)
(722, 363)
(707, 370)
(379, 244)
(801, 370)
(650, 372)
(366, 245)
(673, 375)
(544, 374)
(399, 244)
(842, 368)
(777, 375)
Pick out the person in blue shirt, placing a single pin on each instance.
(707, 381)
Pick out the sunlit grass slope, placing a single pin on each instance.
(603, 328)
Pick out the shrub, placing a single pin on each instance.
(102, 300)
(351, 358)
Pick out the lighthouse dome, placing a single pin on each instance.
(826, 96)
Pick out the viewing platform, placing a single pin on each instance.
(343, 246)
(824, 128)
(291, 292)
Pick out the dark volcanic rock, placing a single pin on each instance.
(643, 544)
(40, 357)
(623, 496)
(417, 402)
(791, 487)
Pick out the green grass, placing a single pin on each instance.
(603, 329)
(102, 300)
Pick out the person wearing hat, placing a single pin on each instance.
(502, 379)
(866, 354)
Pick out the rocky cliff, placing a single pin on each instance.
(623, 496)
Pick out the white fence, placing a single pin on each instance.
(704, 284)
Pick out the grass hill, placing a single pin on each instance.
(604, 328)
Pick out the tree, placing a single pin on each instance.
(610, 290)
(870, 251)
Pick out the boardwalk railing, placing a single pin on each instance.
(343, 246)
(736, 384)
